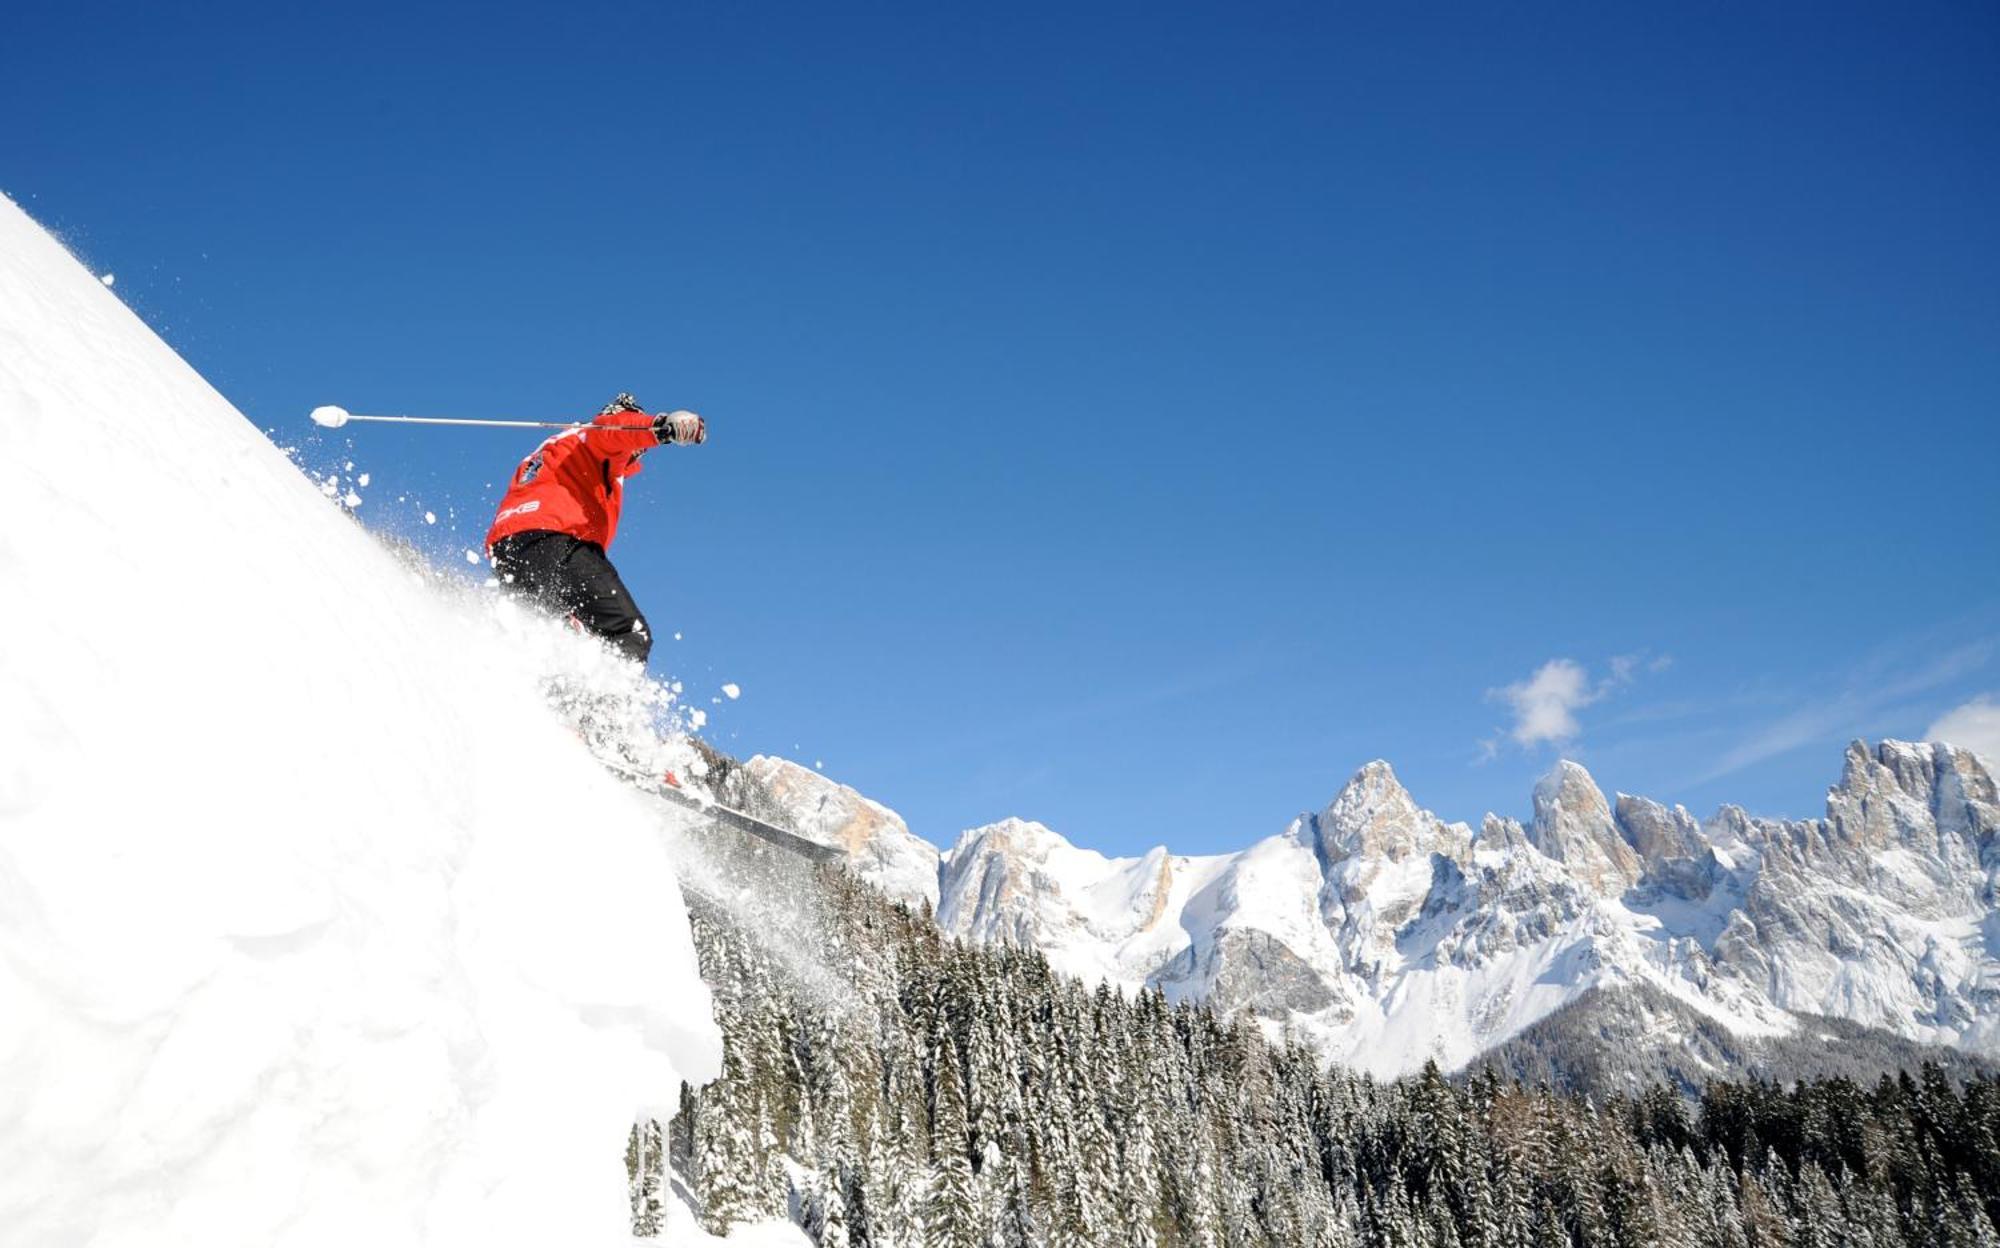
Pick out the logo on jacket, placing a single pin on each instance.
(531, 469)
(533, 504)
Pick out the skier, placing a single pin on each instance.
(561, 512)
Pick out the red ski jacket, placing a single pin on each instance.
(574, 483)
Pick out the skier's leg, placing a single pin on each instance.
(531, 563)
(574, 578)
(599, 599)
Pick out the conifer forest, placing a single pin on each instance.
(900, 1090)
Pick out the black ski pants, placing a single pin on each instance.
(574, 578)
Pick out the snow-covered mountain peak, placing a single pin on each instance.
(1965, 796)
(1499, 834)
(1566, 774)
(1915, 824)
(1573, 825)
(1375, 780)
(1374, 817)
(1021, 882)
(1674, 855)
(1035, 842)
(1927, 797)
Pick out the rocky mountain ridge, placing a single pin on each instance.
(1390, 937)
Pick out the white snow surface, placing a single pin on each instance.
(316, 925)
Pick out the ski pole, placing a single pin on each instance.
(334, 417)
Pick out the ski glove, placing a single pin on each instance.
(684, 428)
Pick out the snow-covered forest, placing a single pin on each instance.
(913, 1090)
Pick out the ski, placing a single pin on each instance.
(756, 827)
(729, 816)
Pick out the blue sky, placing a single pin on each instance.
(1137, 418)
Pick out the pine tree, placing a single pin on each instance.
(645, 1168)
(1394, 1224)
(1872, 1216)
(950, 1219)
(1138, 1204)
(826, 1214)
(907, 1142)
(1094, 1156)
(1816, 1214)
(1203, 1227)
(725, 1155)
(1764, 1221)
(1341, 1227)
(1979, 1228)
(1548, 1227)
(1722, 1226)
(773, 1185)
(1510, 1208)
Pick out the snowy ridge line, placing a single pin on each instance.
(1389, 937)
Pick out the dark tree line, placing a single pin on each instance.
(927, 1093)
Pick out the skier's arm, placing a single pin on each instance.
(621, 433)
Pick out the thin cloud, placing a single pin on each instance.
(1973, 725)
(1870, 695)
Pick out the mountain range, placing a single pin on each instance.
(1389, 937)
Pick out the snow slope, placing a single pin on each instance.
(316, 927)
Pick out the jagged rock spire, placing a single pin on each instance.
(1374, 816)
(1573, 825)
